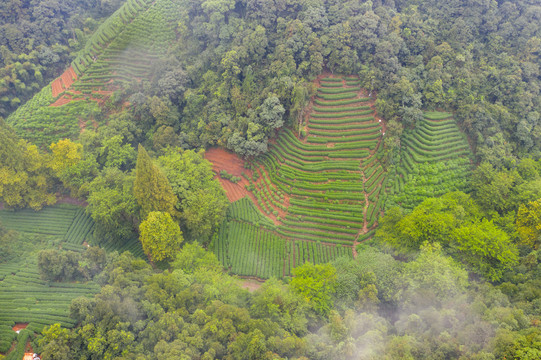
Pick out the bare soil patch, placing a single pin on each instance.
(63, 82)
(222, 159)
(70, 200)
(19, 326)
(57, 87)
(251, 284)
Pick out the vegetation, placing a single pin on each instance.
(34, 284)
(393, 213)
(151, 187)
(324, 183)
(247, 244)
(160, 236)
(434, 159)
(38, 51)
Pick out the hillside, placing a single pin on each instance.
(435, 159)
(315, 193)
(24, 296)
(118, 55)
(330, 187)
(264, 179)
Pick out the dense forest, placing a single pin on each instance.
(270, 179)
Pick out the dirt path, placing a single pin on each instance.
(364, 230)
(70, 200)
(251, 284)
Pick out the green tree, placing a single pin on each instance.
(276, 302)
(271, 114)
(202, 199)
(65, 153)
(55, 343)
(57, 265)
(433, 275)
(203, 213)
(455, 221)
(316, 283)
(485, 248)
(194, 257)
(151, 187)
(492, 188)
(160, 236)
(112, 204)
(529, 223)
(25, 179)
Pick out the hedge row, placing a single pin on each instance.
(337, 90)
(347, 95)
(343, 127)
(339, 109)
(342, 121)
(342, 114)
(340, 102)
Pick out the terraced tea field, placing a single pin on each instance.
(119, 53)
(315, 198)
(24, 296)
(320, 191)
(249, 245)
(435, 159)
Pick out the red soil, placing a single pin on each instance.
(57, 87)
(19, 326)
(62, 101)
(68, 77)
(68, 98)
(222, 159)
(226, 160)
(63, 82)
(261, 182)
(234, 191)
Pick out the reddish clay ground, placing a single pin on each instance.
(57, 87)
(222, 159)
(68, 98)
(63, 82)
(68, 77)
(19, 326)
(226, 160)
(63, 100)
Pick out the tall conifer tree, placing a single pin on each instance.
(151, 188)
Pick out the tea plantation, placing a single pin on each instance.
(324, 190)
(118, 54)
(435, 159)
(248, 243)
(326, 186)
(24, 296)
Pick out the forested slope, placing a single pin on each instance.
(290, 88)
